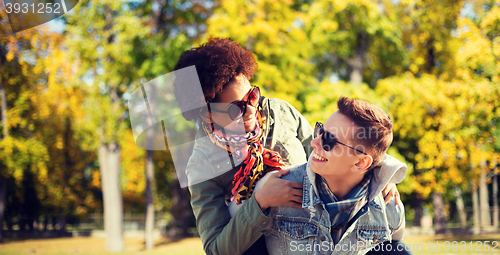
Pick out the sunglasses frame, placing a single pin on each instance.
(319, 130)
(244, 104)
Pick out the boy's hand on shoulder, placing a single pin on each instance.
(279, 192)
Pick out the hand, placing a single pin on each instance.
(389, 192)
(278, 192)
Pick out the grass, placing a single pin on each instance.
(91, 245)
(446, 244)
(192, 246)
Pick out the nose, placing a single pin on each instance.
(316, 142)
(250, 110)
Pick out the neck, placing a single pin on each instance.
(342, 185)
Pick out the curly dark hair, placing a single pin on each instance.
(217, 63)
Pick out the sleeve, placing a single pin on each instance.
(398, 234)
(305, 134)
(219, 233)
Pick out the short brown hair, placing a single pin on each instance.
(217, 63)
(373, 121)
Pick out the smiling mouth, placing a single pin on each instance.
(318, 157)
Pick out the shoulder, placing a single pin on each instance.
(296, 173)
(206, 161)
(204, 150)
(202, 146)
(282, 107)
(379, 212)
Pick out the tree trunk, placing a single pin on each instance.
(495, 201)
(62, 224)
(460, 206)
(176, 207)
(475, 206)
(356, 63)
(3, 98)
(150, 211)
(3, 196)
(439, 213)
(417, 204)
(54, 222)
(109, 159)
(45, 223)
(9, 222)
(180, 212)
(183, 197)
(483, 198)
(185, 211)
(3, 180)
(149, 171)
(31, 224)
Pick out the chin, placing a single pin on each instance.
(251, 127)
(313, 167)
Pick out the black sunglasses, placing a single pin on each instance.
(328, 140)
(237, 109)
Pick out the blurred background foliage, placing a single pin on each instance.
(434, 66)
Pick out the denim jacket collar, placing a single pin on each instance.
(310, 192)
(390, 170)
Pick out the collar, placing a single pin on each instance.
(310, 194)
(325, 191)
(266, 110)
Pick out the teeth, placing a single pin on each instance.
(316, 156)
(247, 122)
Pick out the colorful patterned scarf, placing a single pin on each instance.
(258, 161)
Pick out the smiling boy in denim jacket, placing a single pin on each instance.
(343, 210)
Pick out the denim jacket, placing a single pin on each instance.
(308, 230)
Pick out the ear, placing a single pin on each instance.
(207, 115)
(364, 162)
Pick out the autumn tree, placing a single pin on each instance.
(40, 162)
(273, 32)
(479, 59)
(173, 27)
(450, 134)
(427, 28)
(100, 40)
(357, 41)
